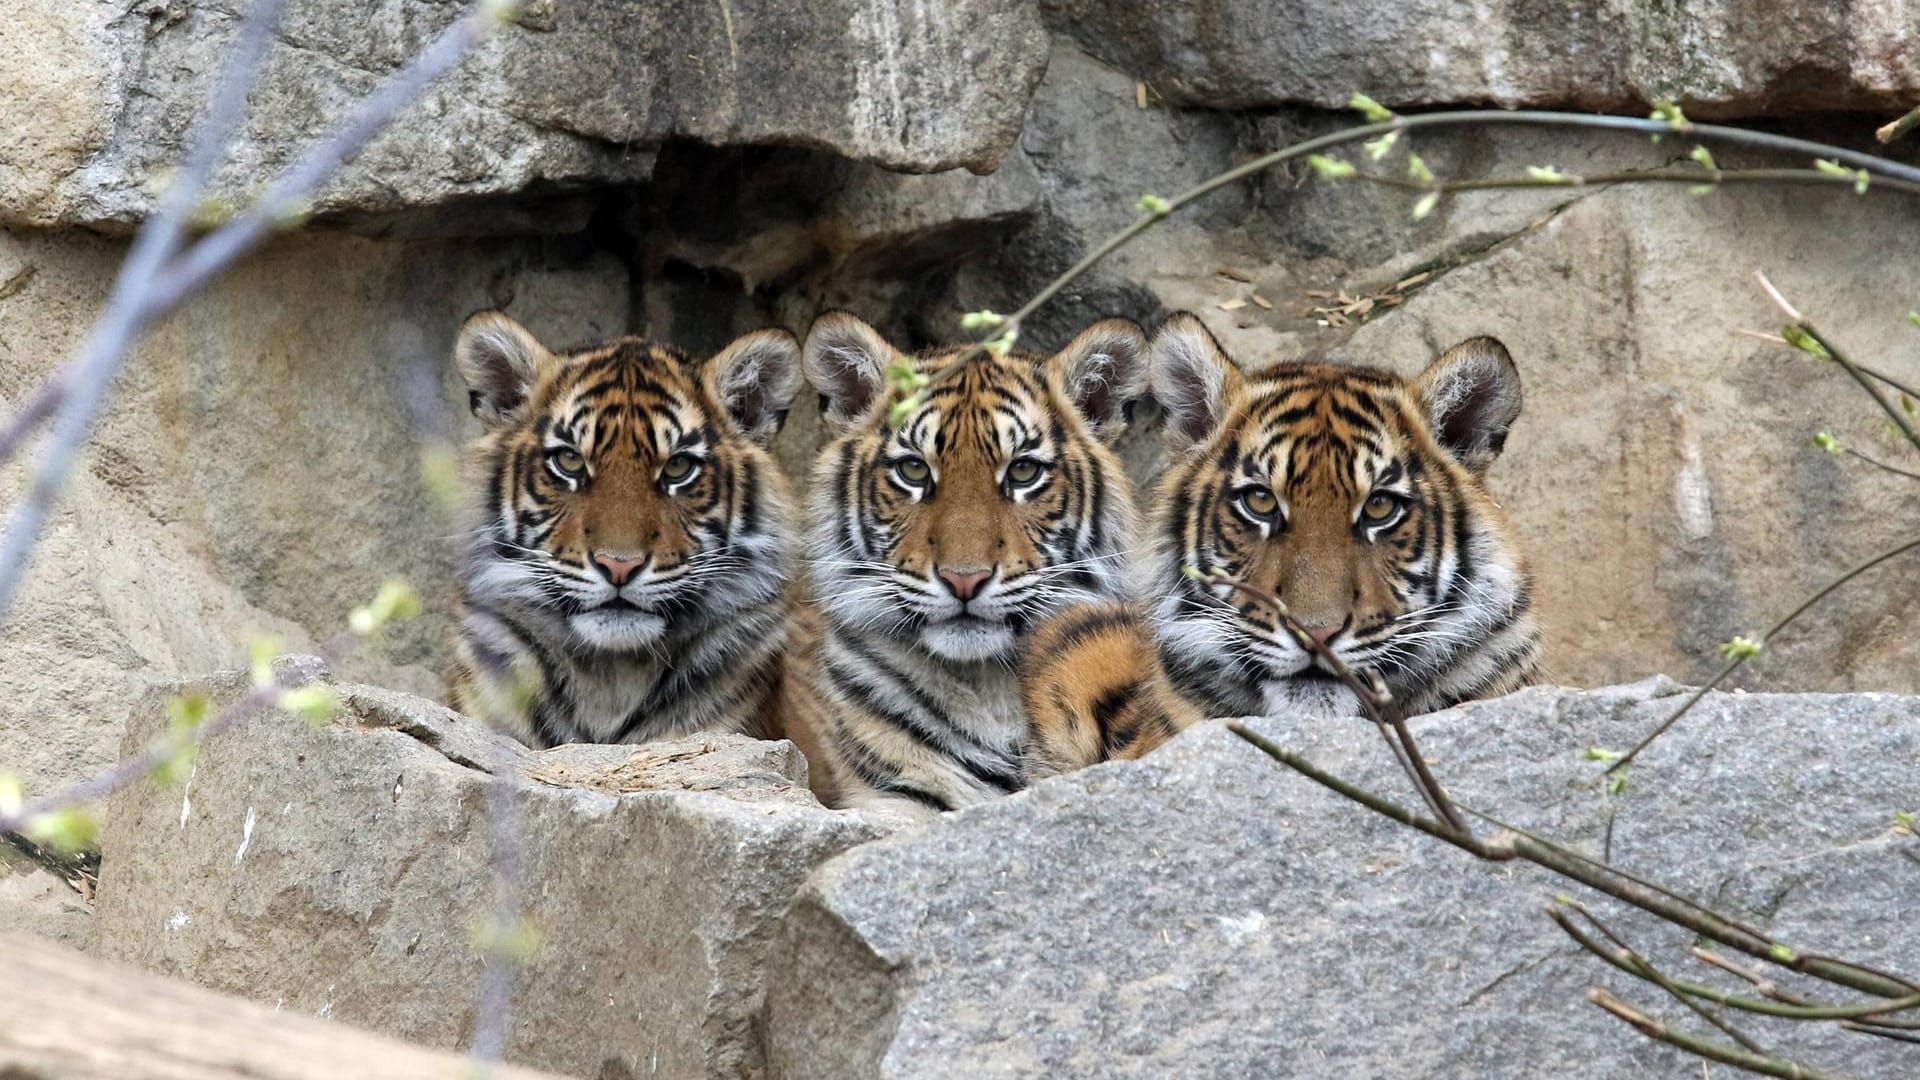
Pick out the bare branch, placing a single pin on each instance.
(1512, 843)
(1628, 960)
(1726, 1055)
(1693, 177)
(1898, 175)
(1380, 706)
(1898, 128)
(1740, 659)
(1858, 374)
(1878, 464)
(45, 400)
(152, 282)
(287, 199)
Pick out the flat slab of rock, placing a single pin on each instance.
(577, 92)
(64, 1016)
(1718, 58)
(1208, 913)
(339, 871)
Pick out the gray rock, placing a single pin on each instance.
(39, 901)
(1208, 913)
(576, 93)
(256, 470)
(337, 871)
(1720, 58)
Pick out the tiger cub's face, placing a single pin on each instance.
(1356, 497)
(984, 509)
(627, 484)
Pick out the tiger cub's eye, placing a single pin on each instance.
(913, 470)
(678, 468)
(1024, 471)
(1380, 506)
(567, 460)
(1260, 502)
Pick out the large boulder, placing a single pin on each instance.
(1204, 912)
(1207, 912)
(572, 94)
(1718, 58)
(341, 870)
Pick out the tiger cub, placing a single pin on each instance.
(626, 578)
(1355, 496)
(938, 539)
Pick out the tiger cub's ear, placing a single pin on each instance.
(1192, 378)
(846, 361)
(1102, 370)
(1472, 397)
(755, 378)
(499, 359)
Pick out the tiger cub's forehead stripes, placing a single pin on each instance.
(641, 397)
(1320, 428)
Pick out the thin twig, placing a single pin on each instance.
(1878, 464)
(1726, 1055)
(1629, 960)
(152, 283)
(1374, 698)
(1888, 984)
(1776, 339)
(507, 918)
(1898, 128)
(1741, 658)
(45, 400)
(1858, 374)
(1626, 960)
(1904, 176)
(85, 385)
(1800, 1007)
(1885, 1033)
(1511, 844)
(127, 771)
(287, 199)
(1694, 177)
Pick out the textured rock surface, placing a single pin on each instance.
(336, 871)
(39, 901)
(1719, 57)
(1207, 912)
(257, 469)
(575, 93)
(1660, 475)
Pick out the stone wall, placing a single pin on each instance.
(256, 469)
(1204, 912)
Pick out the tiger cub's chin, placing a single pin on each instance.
(1313, 698)
(632, 542)
(970, 640)
(1352, 495)
(623, 630)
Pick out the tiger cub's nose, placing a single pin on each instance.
(963, 584)
(617, 568)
